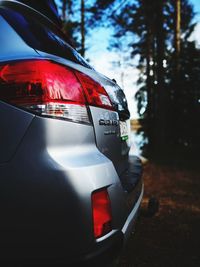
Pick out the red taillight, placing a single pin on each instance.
(50, 89)
(40, 81)
(101, 209)
(96, 95)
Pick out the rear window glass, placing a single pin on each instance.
(40, 34)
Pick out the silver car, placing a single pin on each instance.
(69, 191)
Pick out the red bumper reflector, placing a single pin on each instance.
(102, 217)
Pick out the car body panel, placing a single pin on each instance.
(14, 124)
(56, 171)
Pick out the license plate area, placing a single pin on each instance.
(124, 133)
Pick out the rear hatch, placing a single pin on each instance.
(112, 127)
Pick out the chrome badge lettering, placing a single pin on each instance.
(109, 119)
(109, 122)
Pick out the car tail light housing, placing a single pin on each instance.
(50, 89)
(95, 94)
(101, 209)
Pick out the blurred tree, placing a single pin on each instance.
(70, 24)
(75, 16)
(177, 35)
(145, 20)
(190, 97)
(179, 87)
(66, 9)
(158, 31)
(82, 28)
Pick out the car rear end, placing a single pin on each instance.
(70, 192)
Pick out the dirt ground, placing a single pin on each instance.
(172, 236)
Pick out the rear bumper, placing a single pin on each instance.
(105, 251)
(101, 254)
(46, 194)
(101, 251)
(131, 220)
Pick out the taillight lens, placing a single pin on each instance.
(95, 93)
(102, 217)
(50, 89)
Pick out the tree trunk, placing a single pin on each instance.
(150, 74)
(176, 88)
(82, 28)
(160, 90)
(160, 47)
(177, 39)
(64, 7)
